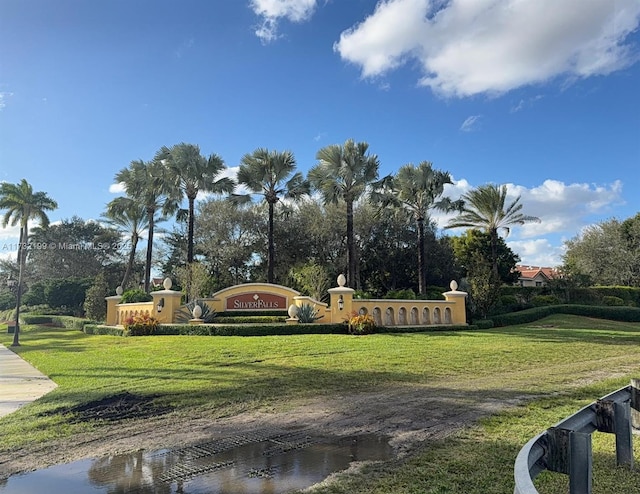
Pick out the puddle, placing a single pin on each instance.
(254, 463)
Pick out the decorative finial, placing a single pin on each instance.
(453, 285)
(167, 283)
(119, 290)
(293, 311)
(342, 281)
(197, 312)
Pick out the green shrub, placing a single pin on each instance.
(625, 314)
(612, 301)
(36, 319)
(134, 296)
(103, 330)
(542, 300)
(405, 294)
(484, 324)
(250, 319)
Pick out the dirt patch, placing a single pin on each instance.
(409, 415)
(118, 407)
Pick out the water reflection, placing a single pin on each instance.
(275, 465)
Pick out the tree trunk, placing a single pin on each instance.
(147, 267)
(271, 249)
(132, 255)
(190, 231)
(422, 271)
(351, 248)
(494, 253)
(22, 256)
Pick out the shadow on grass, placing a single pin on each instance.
(561, 335)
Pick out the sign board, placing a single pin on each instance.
(256, 301)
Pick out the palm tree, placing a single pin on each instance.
(130, 217)
(269, 173)
(484, 209)
(419, 189)
(188, 172)
(146, 183)
(343, 173)
(21, 205)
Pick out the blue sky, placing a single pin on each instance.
(541, 95)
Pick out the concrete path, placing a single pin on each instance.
(20, 382)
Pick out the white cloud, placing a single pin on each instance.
(471, 123)
(3, 99)
(271, 11)
(538, 252)
(564, 210)
(117, 188)
(468, 47)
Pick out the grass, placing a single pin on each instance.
(567, 358)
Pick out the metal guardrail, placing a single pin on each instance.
(566, 447)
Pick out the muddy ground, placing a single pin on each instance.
(408, 415)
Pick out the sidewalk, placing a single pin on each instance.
(20, 382)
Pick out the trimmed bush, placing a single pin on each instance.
(542, 300)
(625, 314)
(250, 319)
(612, 301)
(103, 330)
(135, 296)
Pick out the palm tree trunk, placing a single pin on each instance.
(132, 255)
(271, 249)
(22, 256)
(422, 272)
(147, 266)
(190, 231)
(351, 247)
(494, 253)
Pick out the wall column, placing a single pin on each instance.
(340, 301)
(458, 311)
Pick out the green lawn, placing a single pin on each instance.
(569, 356)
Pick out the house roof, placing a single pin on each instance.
(531, 272)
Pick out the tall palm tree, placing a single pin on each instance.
(271, 174)
(484, 209)
(147, 184)
(130, 217)
(188, 172)
(419, 189)
(21, 204)
(343, 173)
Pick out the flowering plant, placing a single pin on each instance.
(140, 325)
(361, 323)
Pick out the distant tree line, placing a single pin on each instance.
(294, 230)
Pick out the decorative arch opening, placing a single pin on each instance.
(402, 316)
(377, 316)
(437, 316)
(414, 316)
(389, 319)
(447, 316)
(426, 316)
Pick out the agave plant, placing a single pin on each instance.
(307, 314)
(186, 312)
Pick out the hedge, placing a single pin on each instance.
(68, 322)
(264, 329)
(625, 314)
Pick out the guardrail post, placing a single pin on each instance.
(615, 418)
(581, 463)
(635, 403)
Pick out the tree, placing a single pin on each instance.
(21, 204)
(343, 173)
(270, 174)
(484, 209)
(607, 253)
(147, 183)
(188, 172)
(419, 189)
(75, 249)
(130, 217)
(474, 244)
